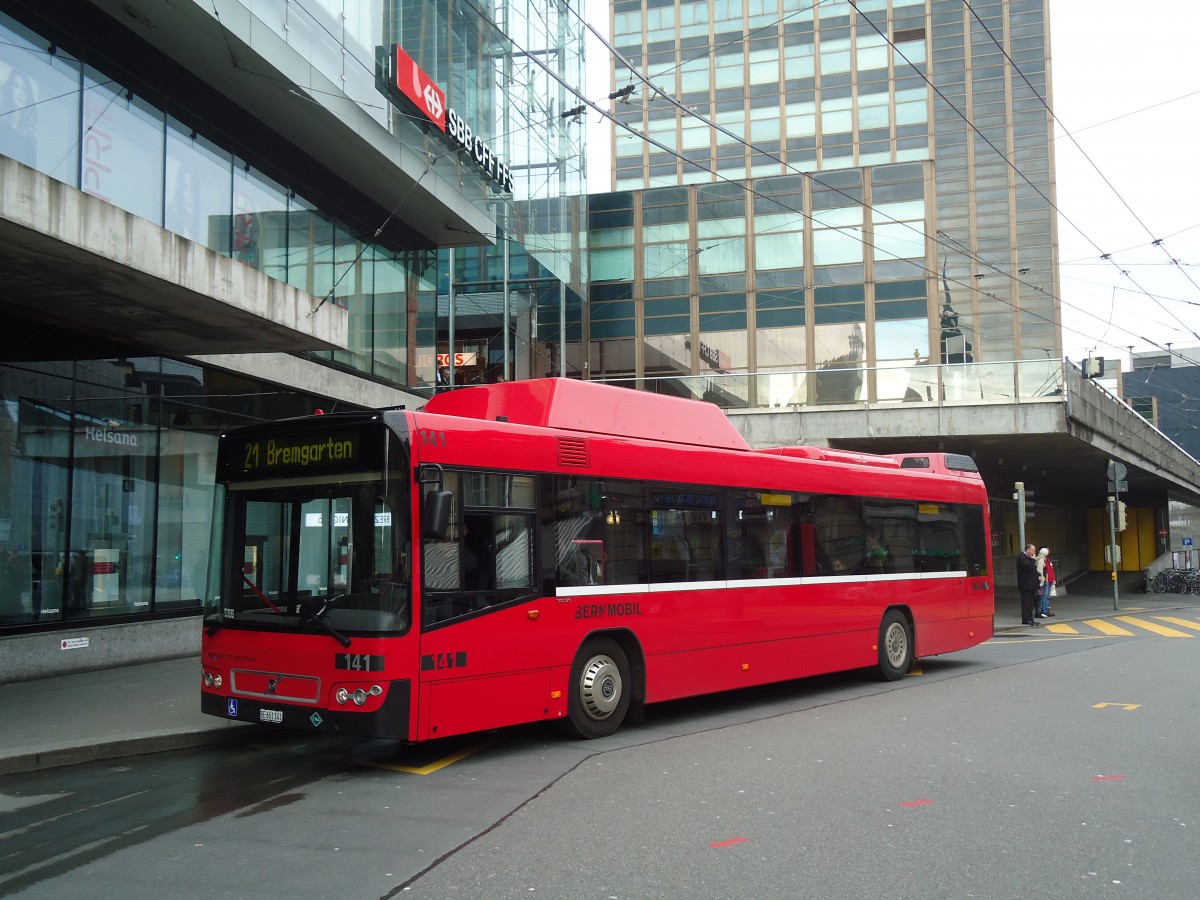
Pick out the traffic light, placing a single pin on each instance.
(1120, 515)
(1024, 500)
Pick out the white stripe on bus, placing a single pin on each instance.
(607, 590)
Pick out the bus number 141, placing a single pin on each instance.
(358, 662)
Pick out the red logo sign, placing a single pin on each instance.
(460, 359)
(419, 88)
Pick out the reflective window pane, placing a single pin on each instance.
(779, 251)
(122, 148)
(835, 247)
(200, 177)
(841, 355)
(259, 225)
(39, 104)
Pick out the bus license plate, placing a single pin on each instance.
(274, 716)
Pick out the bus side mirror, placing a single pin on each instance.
(435, 515)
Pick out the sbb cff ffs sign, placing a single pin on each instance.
(411, 81)
(407, 82)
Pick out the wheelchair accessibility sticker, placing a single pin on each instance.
(232, 708)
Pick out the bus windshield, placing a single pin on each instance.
(317, 556)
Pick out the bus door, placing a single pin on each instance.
(978, 560)
(480, 666)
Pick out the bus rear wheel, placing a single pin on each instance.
(895, 646)
(599, 691)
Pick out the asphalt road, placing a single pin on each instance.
(1033, 767)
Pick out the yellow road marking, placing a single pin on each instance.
(1125, 706)
(1061, 629)
(1151, 626)
(422, 770)
(1108, 627)
(371, 764)
(1183, 623)
(1034, 640)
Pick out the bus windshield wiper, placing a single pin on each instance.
(319, 618)
(261, 596)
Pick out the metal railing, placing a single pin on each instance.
(835, 384)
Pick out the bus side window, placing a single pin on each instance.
(840, 534)
(975, 544)
(577, 553)
(572, 569)
(597, 531)
(442, 570)
(478, 553)
(752, 560)
(802, 550)
(899, 541)
(514, 550)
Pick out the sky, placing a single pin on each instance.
(1126, 96)
(1127, 87)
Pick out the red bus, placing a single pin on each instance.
(561, 550)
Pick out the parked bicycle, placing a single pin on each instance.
(1177, 581)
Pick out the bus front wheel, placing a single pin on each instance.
(600, 686)
(895, 646)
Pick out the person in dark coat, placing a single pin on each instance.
(1028, 584)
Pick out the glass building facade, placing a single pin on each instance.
(516, 303)
(830, 188)
(107, 469)
(106, 463)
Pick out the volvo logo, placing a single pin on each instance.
(272, 683)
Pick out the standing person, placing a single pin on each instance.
(1046, 576)
(1040, 563)
(1027, 584)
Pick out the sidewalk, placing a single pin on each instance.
(1089, 598)
(147, 708)
(109, 714)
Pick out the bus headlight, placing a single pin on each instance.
(212, 681)
(358, 695)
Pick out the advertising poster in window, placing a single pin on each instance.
(39, 107)
(122, 150)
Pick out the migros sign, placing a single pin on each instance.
(407, 83)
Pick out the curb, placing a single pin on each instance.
(1017, 631)
(22, 762)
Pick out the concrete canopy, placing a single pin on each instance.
(86, 279)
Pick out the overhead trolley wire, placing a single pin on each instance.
(1157, 242)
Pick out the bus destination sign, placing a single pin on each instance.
(292, 449)
(299, 453)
